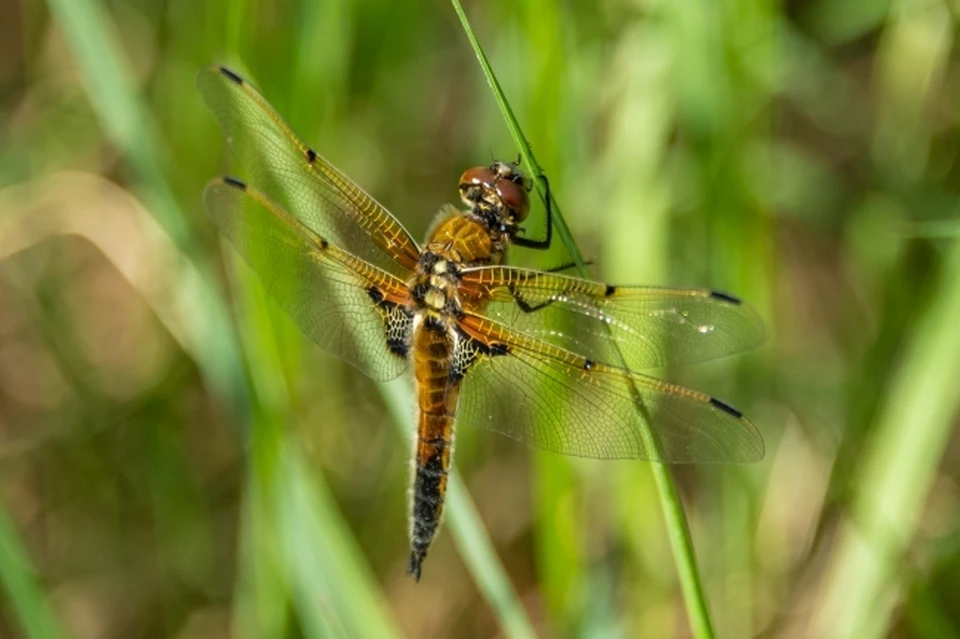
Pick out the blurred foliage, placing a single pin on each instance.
(177, 461)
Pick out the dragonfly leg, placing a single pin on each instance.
(524, 305)
(566, 265)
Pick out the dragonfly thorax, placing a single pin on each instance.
(434, 287)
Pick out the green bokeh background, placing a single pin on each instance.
(176, 460)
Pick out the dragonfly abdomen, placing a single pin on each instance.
(433, 451)
(437, 394)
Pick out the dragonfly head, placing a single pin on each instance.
(500, 186)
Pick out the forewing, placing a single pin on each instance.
(348, 307)
(554, 399)
(650, 326)
(299, 180)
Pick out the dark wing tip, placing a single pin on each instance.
(233, 77)
(726, 408)
(747, 313)
(756, 449)
(726, 297)
(234, 182)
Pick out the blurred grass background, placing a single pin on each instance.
(177, 461)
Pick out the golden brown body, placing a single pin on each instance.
(436, 406)
(457, 241)
(547, 359)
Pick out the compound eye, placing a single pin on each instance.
(514, 197)
(478, 175)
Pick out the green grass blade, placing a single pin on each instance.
(529, 161)
(918, 404)
(17, 577)
(898, 470)
(674, 516)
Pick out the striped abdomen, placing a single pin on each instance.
(437, 397)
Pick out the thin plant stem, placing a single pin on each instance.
(674, 517)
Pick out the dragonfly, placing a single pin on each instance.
(548, 359)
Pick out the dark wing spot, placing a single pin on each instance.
(324, 243)
(588, 364)
(611, 289)
(233, 77)
(717, 295)
(727, 408)
(468, 351)
(398, 322)
(398, 347)
(311, 156)
(375, 294)
(499, 348)
(235, 183)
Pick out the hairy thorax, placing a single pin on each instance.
(458, 240)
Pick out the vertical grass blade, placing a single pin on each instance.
(18, 578)
(529, 161)
(674, 516)
(898, 469)
(918, 407)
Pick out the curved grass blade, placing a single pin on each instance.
(126, 123)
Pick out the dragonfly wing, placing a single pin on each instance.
(649, 326)
(298, 179)
(349, 307)
(556, 400)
